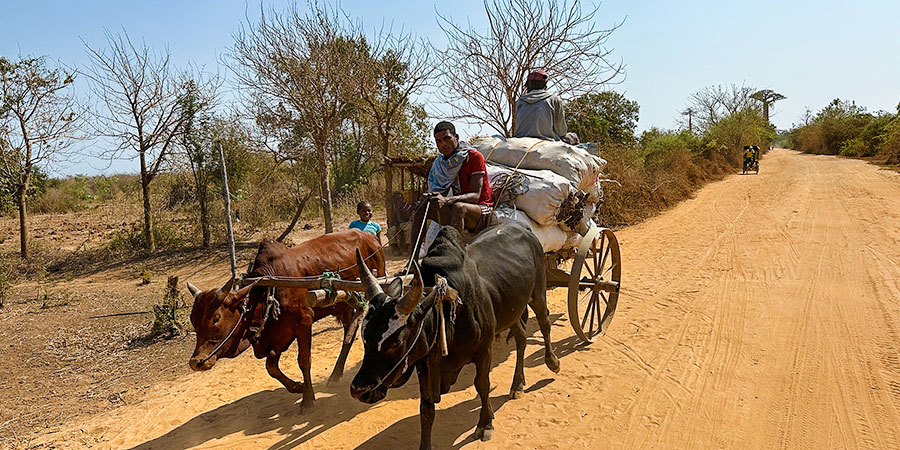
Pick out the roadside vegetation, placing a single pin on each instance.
(844, 128)
(659, 168)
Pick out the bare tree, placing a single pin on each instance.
(138, 95)
(399, 67)
(713, 103)
(301, 64)
(767, 97)
(39, 120)
(486, 70)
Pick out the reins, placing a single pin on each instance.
(222, 344)
(409, 350)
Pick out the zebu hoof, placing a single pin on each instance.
(295, 388)
(516, 393)
(333, 380)
(485, 434)
(306, 406)
(552, 363)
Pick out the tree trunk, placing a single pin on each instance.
(325, 186)
(204, 212)
(301, 205)
(388, 182)
(145, 191)
(23, 230)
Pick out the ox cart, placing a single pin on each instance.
(591, 273)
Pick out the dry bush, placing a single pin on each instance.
(890, 146)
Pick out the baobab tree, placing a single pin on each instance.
(767, 97)
(39, 120)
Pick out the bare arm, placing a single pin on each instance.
(475, 186)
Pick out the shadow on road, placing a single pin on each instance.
(279, 411)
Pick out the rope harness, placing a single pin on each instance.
(404, 358)
(243, 308)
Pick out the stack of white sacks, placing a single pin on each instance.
(548, 175)
(550, 172)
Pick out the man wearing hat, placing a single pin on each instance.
(539, 114)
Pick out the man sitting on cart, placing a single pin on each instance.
(459, 192)
(748, 156)
(539, 113)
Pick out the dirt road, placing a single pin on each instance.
(764, 313)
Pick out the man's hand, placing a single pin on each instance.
(439, 201)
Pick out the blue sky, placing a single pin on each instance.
(810, 51)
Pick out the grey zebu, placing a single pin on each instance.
(497, 275)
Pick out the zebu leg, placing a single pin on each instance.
(426, 420)
(275, 372)
(304, 342)
(539, 306)
(429, 382)
(517, 390)
(485, 428)
(350, 319)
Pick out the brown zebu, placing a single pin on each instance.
(216, 312)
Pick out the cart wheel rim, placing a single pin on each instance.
(597, 269)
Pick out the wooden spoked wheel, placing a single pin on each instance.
(594, 283)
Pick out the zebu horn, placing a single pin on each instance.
(368, 281)
(225, 289)
(194, 290)
(410, 301)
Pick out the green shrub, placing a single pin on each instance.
(854, 147)
(890, 144)
(131, 239)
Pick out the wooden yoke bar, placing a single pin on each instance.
(319, 283)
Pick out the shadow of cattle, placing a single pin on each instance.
(279, 411)
(450, 425)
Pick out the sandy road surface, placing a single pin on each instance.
(764, 313)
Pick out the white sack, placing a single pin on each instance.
(573, 163)
(552, 238)
(540, 194)
(431, 233)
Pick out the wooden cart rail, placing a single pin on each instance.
(318, 287)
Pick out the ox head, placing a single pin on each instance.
(389, 330)
(214, 314)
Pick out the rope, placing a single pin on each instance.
(514, 171)
(488, 157)
(415, 249)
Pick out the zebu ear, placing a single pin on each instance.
(369, 283)
(408, 302)
(238, 295)
(225, 289)
(194, 290)
(395, 289)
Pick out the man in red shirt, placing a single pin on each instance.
(458, 186)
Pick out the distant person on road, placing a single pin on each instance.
(748, 155)
(539, 113)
